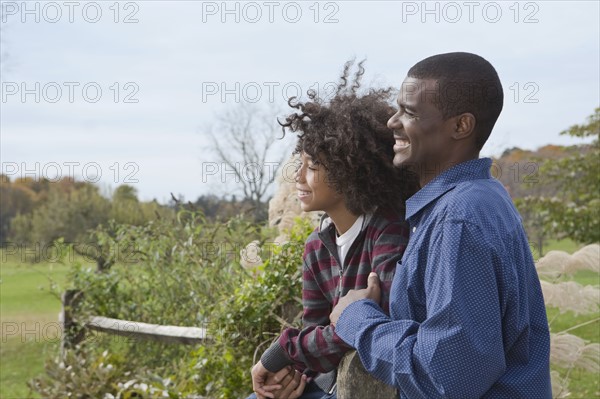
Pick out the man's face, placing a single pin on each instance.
(423, 138)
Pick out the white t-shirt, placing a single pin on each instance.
(344, 242)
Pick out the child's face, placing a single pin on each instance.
(314, 191)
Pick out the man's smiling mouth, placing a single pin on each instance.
(402, 142)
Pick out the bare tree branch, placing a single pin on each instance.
(245, 140)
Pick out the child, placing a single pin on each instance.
(346, 171)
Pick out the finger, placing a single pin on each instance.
(281, 374)
(271, 388)
(374, 287)
(291, 387)
(373, 290)
(373, 280)
(287, 380)
(258, 384)
(300, 390)
(261, 393)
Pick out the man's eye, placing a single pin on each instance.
(406, 112)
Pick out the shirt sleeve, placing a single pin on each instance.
(316, 346)
(457, 351)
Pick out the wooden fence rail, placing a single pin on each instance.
(132, 329)
(136, 329)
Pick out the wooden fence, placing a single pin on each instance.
(353, 381)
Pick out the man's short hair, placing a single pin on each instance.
(466, 83)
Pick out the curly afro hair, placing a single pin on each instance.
(348, 135)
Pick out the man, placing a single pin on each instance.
(467, 316)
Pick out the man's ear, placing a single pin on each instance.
(464, 126)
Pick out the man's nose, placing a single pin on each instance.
(394, 122)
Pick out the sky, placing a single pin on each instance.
(126, 92)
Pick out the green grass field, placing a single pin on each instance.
(29, 317)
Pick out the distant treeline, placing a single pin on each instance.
(41, 211)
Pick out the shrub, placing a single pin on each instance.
(184, 272)
(249, 319)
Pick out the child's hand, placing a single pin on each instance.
(260, 375)
(292, 387)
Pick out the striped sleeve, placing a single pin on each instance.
(316, 346)
(387, 250)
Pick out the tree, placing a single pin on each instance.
(126, 206)
(15, 200)
(69, 215)
(574, 211)
(245, 140)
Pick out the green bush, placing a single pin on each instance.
(184, 272)
(84, 373)
(249, 319)
(166, 271)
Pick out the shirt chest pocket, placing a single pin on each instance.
(407, 297)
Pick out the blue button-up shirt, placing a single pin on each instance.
(467, 316)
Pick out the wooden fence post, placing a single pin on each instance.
(72, 334)
(353, 381)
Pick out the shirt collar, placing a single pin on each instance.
(473, 169)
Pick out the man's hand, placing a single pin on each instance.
(371, 292)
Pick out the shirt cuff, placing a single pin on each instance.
(275, 358)
(352, 318)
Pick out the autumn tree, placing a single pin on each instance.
(15, 199)
(574, 211)
(70, 210)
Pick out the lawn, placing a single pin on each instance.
(29, 318)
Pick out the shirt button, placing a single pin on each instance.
(414, 229)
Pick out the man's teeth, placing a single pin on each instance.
(402, 143)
